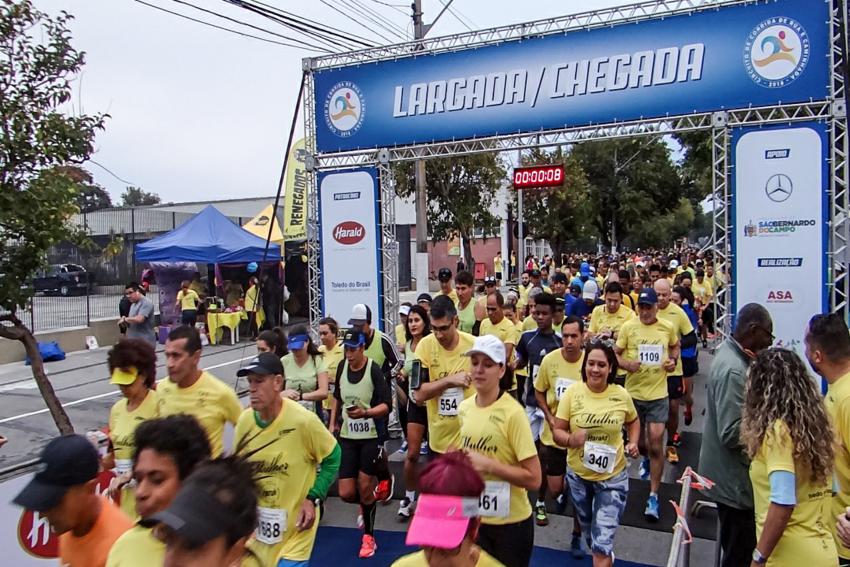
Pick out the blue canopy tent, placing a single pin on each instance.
(209, 237)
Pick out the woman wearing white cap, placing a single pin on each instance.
(495, 434)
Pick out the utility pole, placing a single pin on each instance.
(421, 199)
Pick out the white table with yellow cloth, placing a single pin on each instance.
(217, 321)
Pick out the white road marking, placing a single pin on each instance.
(107, 394)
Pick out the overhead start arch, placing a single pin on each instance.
(766, 78)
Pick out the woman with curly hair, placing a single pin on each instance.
(786, 433)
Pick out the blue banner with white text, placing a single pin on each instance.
(732, 57)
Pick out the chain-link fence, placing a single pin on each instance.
(81, 284)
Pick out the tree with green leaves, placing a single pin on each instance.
(136, 197)
(91, 197)
(632, 181)
(559, 215)
(461, 192)
(37, 198)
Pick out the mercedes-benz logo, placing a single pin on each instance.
(778, 188)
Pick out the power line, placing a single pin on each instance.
(106, 169)
(378, 15)
(240, 22)
(307, 22)
(356, 21)
(458, 18)
(396, 7)
(350, 5)
(161, 9)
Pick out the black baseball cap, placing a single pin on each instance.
(647, 297)
(263, 363)
(424, 297)
(535, 273)
(490, 280)
(560, 277)
(194, 516)
(444, 274)
(67, 461)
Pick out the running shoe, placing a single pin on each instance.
(576, 549)
(652, 513)
(672, 455)
(403, 449)
(423, 449)
(677, 440)
(689, 414)
(540, 516)
(404, 509)
(384, 490)
(644, 468)
(368, 547)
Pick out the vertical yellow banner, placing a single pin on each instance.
(295, 201)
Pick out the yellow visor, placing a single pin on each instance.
(123, 377)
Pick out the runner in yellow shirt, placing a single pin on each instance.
(786, 433)
(559, 370)
(305, 371)
(167, 450)
(132, 365)
(497, 268)
(589, 421)
(287, 442)
(498, 325)
(648, 349)
(465, 305)
(827, 346)
(400, 339)
(332, 355)
(495, 434)
(193, 391)
(187, 303)
(445, 380)
(676, 385)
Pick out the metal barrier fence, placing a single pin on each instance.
(680, 547)
(65, 297)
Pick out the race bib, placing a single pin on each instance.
(561, 386)
(449, 402)
(362, 428)
(650, 355)
(599, 458)
(123, 466)
(271, 523)
(495, 501)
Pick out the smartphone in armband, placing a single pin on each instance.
(415, 375)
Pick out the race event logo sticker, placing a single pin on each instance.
(344, 109)
(776, 52)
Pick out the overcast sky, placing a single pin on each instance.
(201, 114)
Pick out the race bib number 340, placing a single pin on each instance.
(650, 355)
(599, 458)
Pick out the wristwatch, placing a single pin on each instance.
(758, 557)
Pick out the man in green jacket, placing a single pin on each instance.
(722, 457)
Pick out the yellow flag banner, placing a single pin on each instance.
(295, 201)
(259, 225)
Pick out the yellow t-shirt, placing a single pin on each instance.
(505, 331)
(635, 296)
(554, 376)
(499, 431)
(331, 360)
(677, 317)
(443, 424)
(400, 337)
(304, 378)
(122, 426)
(806, 539)
(519, 331)
(703, 292)
(650, 344)
(136, 548)
(452, 295)
(837, 403)
(529, 324)
(251, 298)
(418, 560)
(188, 300)
(211, 401)
(497, 265)
(602, 415)
(601, 320)
(290, 448)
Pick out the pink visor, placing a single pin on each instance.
(441, 521)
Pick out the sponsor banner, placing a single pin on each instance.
(780, 213)
(350, 256)
(728, 57)
(295, 195)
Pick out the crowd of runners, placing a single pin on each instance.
(515, 399)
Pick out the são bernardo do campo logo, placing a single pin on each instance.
(344, 109)
(776, 52)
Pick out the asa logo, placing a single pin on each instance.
(779, 296)
(349, 232)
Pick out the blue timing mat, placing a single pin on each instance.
(339, 546)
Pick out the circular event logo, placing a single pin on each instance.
(776, 52)
(344, 109)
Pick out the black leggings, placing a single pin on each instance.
(509, 543)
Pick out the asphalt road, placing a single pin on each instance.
(82, 383)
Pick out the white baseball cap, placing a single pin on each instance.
(590, 289)
(404, 310)
(360, 314)
(490, 346)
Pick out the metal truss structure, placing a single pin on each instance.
(831, 111)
